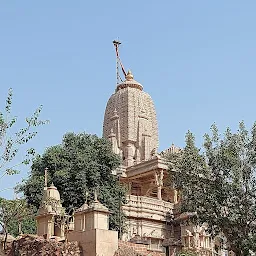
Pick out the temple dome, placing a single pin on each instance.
(129, 82)
(51, 201)
(52, 192)
(130, 122)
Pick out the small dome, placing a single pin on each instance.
(129, 82)
(53, 192)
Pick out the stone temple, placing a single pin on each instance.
(130, 123)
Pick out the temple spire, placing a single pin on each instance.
(129, 75)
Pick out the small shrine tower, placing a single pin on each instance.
(50, 220)
(91, 230)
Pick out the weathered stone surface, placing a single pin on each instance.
(132, 249)
(130, 123)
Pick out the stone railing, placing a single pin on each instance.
(146, 207)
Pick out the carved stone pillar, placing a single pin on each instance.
(113, 140)
(129, 154)
(159, 182)
(146, 146)
(129, 188)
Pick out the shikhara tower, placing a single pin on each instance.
(130, 122)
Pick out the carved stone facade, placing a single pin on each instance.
(130, 124)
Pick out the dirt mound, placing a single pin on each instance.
(38, 246)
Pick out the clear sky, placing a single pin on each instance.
(195, 58)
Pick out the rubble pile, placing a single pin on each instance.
(126, 251)
(1, 251)
(29, 245)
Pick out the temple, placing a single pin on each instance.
(130, 123)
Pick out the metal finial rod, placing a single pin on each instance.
(118, 62)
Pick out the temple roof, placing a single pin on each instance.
(129, 82)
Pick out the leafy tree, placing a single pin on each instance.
(80, 165)
(13, 214)
(13, 139)
(219, 184)
(24, 225)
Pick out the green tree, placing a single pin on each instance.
(24, 225)
(13, 143)
(14, 140)
(219, 184)
(14, 217)
(80, 165)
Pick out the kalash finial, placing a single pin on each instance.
(129, 75)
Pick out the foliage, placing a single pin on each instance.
(81, 164)
(219, 184)
(14, 213)
(27, 225)
(12, 139)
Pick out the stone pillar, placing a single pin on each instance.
(113, 140)
(129, 154)
(62, 228)
(129, 188)
(159, 182)
(146, 146)
(175, 196)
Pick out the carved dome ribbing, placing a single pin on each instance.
(129, 82)
(130, 122)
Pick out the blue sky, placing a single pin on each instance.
(195, 58)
